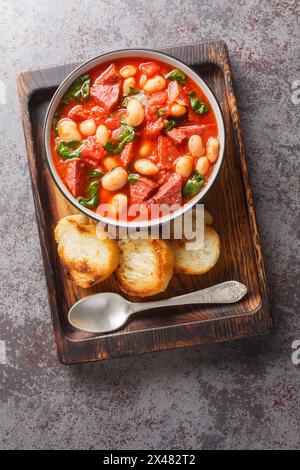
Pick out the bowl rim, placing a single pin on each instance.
(57, 98)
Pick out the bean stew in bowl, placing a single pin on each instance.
(133, 131)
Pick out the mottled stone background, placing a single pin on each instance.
(239, 395)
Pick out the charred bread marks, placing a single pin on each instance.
(87, 260)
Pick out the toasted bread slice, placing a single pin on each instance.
(146, 266)
(197, 261)
(87, 259)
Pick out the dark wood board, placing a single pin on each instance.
(230, 201)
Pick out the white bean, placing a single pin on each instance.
(67, 130)
(127, 84)
(87, 127)
(135, 113)
(184, 166)
(128, 71)
(178, 110)
(157, 83)
(203, 165)
(212, 149)
(196, 146)
(145, 167)
(115, 179)
(109, 163)
(102, 134)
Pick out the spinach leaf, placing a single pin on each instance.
(177, 75)
(171, 124)
(89, 203)
(95, 174)
(132, 91)
(56, 117)
(92, 190)
(126, 137)
(78, 91)
(70, 149)
(198, 106)
(193, 185)
(132, 178)
(161, 111)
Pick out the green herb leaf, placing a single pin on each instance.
(95, 174)
(70, 149)
(132, 91)
(78, 91)
(56, 118)
(127, 137)
(198, 106)
(171, 124)
(89, 203)
(132, 178)
(93, 188)
(177, 75)
(193, 185)
(161, 112)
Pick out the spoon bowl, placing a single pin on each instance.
(107, 311)
(99, 313)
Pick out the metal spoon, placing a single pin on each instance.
(107, 311)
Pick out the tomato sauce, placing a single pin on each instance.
(155, 119)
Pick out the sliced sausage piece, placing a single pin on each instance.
(176, 135)
(97, 112)
(127, 154)
(114, 121)
(142, 190)
(170, 192)
(79, 113)
(93, 152)
(108, 77)
(76, 177)
(154, 127)
(196, 129)
(167, 152)
(106, 95)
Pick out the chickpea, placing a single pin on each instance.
(135, 113)
(109, 163)
(145, 149)
(68, 130)
(102, 134)
(127, 84)
(184, 166)
(128, 71)
(87, 127)
(115, 179)
(196, 146)
(178, 110)
(212, 149)
(145, 167)
(157, 83)
(203, 165)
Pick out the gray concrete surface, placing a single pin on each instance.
(239, 395)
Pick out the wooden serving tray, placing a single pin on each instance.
(230, 202)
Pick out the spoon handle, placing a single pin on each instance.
(224, 293)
